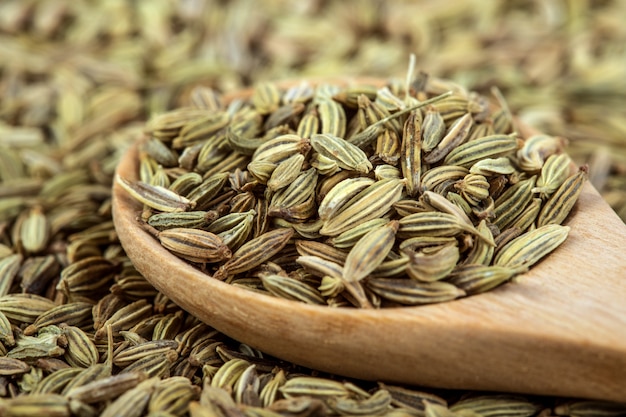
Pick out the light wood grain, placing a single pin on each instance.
(558, 330)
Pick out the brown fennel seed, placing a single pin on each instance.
(194, 245)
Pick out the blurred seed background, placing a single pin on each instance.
(73, 70)
(78, 78)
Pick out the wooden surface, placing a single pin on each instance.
(559, 330)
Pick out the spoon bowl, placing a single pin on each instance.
(559, 329)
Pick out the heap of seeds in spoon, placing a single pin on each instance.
(356, 195)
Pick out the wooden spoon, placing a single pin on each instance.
(559, 330)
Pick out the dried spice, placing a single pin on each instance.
(79, 78)
(356, 202)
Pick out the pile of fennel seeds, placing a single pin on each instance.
(355, 195)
